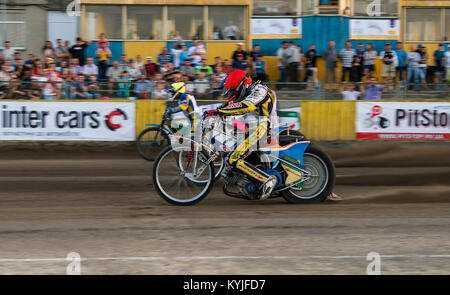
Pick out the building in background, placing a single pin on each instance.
(29, 23)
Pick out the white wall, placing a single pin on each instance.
(62, 26)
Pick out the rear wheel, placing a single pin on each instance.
(150, 142)
(319, 181)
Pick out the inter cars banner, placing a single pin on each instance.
(403, 120)
(71, 121)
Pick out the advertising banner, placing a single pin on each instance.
(371, 29)
(403, 120)
(67, 121)
(276, 27)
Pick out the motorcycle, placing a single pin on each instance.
(184, 172)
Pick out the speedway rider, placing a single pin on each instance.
(245, 97)
(186, 104)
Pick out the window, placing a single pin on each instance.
(375, 7)
(185, 22)
(308, 7)
(103, 19)
(423, 24)
(447, 24)
(15, 28)
(144, 22)
(227, 23)
(269, 7)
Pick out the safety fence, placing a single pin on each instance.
(123, 120)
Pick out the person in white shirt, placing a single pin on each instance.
(350, 93)
(8, 52)
(447, 62)
(231, 31)
(90, 68)
(196, 52)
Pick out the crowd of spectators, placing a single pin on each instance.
(64, 71)
(358, 65)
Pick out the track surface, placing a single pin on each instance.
(100, 202)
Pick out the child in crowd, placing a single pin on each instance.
(124, 85)
(349, 92)
(102, 39)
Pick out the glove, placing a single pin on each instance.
(212, 113)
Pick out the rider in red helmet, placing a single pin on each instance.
(245, 97)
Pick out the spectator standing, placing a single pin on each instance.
(447, 62)
(240, 63)
(369, 60)
(196, 52)
(422, 67)
(79, 89)
(176, 51)
(259, 68)
(330, 55)
(439, 68)
(231, 31)
(217, 34)
(93, 88)
(8, 51)
(61, 52)
(412, 66)
(360, 51)
(293, 62)
(357, 70)
(151, 68)
(103, 55)
(283, 54)
(346, 56)
(183, 55)
(390, 63)
(255, 53)
(372, 91)
(311, 67)
(402, 57)
(239, 50)
(79, 50)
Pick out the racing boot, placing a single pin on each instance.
(268, 186)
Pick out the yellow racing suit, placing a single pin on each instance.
(262, 101)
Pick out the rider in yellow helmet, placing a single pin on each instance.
(186, 103)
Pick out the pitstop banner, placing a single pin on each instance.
(403, 120)
(71, 121)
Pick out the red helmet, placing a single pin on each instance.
(235, 82)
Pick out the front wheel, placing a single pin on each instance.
(183, 181)
(319, 181)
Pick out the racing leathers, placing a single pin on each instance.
(261, 101)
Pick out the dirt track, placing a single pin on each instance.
(100, 202)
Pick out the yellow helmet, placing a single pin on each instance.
(176, 89)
